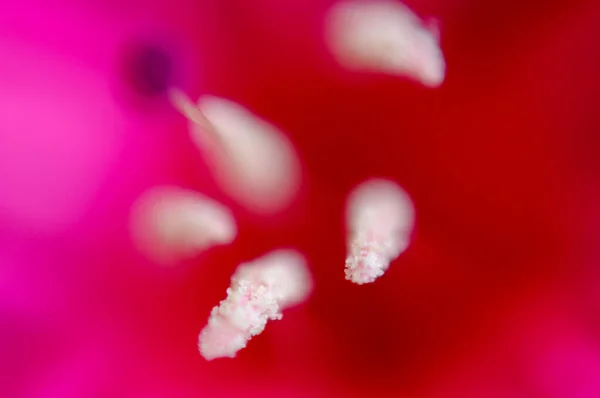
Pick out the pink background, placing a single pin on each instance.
(496, 297)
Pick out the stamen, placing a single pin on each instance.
(170, 224)
(259, 291)
(251, 159)
(380, 218)
(186, 107)
(385, 36)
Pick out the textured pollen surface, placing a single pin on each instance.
(241, 316)
(380, 218)
(385, 36)
(259, 291)
(366, 262)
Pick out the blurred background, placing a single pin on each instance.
(498, 294)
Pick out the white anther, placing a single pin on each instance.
(259, 291)
(385, 36)
(170, 224)
(380, 218)
(251, 159)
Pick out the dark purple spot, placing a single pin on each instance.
(149, 70)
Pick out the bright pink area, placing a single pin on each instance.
(60, 136)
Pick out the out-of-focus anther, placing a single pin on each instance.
(259, 291)
(251, 160)
(169, 224)
(187, 108)
(380, 218)
(385, 36)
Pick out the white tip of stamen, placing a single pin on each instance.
(252, 160)
(380, 218)
(170, 224)
(284, 271)
(385, 36)
(259, 291)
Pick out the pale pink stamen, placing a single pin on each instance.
(169, 224)
(259, 291)
(251, 159)
(385, 36)
(380, 218)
